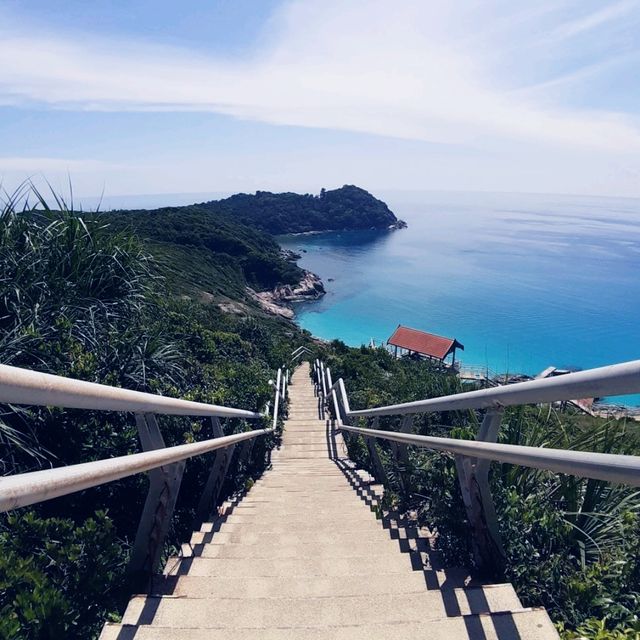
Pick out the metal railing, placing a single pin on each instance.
(164, 464)
(473, 458)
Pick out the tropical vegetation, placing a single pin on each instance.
(572, 544)
(346, 208)
(79, 298)
(155, 301)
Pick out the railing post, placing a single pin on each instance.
(329, 395)
(323, 391)
(276, 400)
(378, 467)
(406, 426)
(211, 492)
(164, 485)
(473, 475)
(400, 451)
(245, 452)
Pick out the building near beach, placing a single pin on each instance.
(413, 342)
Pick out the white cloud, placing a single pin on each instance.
(64, 165)
(418, 70)
(595, 19)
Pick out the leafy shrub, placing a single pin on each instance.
(572, 544)
(58, 579)
(81, 300)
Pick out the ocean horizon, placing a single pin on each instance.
(523, 281)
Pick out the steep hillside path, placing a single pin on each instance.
(308, 554)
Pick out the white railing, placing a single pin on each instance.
(24, 387)
(615, 380)
(24, 489)
(473, 457)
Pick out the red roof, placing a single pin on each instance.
(422, 342)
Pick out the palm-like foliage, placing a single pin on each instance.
(573, 544)
(597, 512)
(76, 300)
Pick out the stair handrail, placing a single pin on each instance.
(296, 353)
(25, 387)
(24, 489)
(612, 380)
(473, 457)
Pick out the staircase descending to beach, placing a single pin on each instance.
(308, 553)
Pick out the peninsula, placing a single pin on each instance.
(224, 251)
(346, 208)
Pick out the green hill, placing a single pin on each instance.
(208, 252)
(279, 213)
(215, 250)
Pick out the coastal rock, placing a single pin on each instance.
(289, 255)
(309, 288)
(265, 300)
(276, 301)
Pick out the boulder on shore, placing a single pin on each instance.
(277, 301)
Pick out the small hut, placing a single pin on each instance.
(427, 345)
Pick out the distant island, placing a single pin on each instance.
(346, 208)
(223, 251)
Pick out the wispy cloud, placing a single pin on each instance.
(592, 20)
(46, 165)
(417, 73)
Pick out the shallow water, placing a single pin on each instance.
(523, 281)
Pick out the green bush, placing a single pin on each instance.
(572, 545)
(79, 299)
(58, 579)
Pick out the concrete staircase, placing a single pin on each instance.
(308, 554)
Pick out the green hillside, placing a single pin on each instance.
(349, 207)
(204, 252)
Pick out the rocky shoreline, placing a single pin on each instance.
(398, 224)
(277, 300)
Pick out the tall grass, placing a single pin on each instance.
(75, 299)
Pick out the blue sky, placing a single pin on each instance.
(152, 96)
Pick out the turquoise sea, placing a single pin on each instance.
(523, 281)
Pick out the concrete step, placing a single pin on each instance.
(303, 410)
(311, 484)
(308, 446)
(306, 508)
(524, 624)
(303, 551)
(301, 521)
(316, 484)
(306, 435)
(315, 474)
(299, 587)
(320, 502)
(302, 454)
(180, 612)
(282, 464)
(302, 587)
(300, 529)
(250, 536)
(263, 490)
(249, 568)
(300, 424)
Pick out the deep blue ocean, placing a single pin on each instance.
(523, 281)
